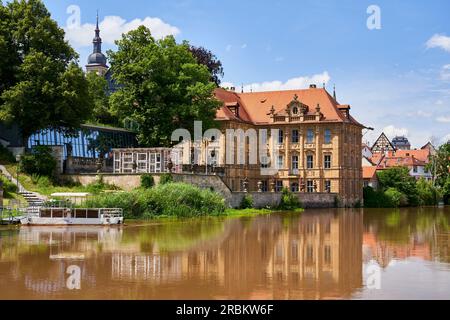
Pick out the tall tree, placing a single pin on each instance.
(43, 87)
(98, 91)
(164, 87)
(441, 165)
(208, 59)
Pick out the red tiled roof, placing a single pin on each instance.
(369, 172)
(422, 155)
(255, 107)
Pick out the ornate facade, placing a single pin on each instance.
(318, 143)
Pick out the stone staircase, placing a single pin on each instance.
(34, 200)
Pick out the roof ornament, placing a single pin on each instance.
(334, 92)
(242, 88)
(272, 111)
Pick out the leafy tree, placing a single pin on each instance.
(442, 163)
(164, 88)
(400, 179)
(39, 162)
(41, 84)
(98, 92)
(428, 194)
(208, 59)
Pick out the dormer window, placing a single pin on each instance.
(295, 110)
(233, 107)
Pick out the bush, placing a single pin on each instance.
(8, 187)
(166, 178)
(147, 181)
(289, 201)
(400, 179)
(428, 194)
(40, 162)
(6, 156)
(41, 181)
(247, 202)
(170, 199)
(375, 199)
(395, 198)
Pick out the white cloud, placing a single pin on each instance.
(420, 113)
(439, 41)
(244, 46)
(439, 102)
(112, 28)
(445, 139)
(445, 72)
(229, 47)
(392, 132)
(443, 119)
(294, 83)
(279, 59)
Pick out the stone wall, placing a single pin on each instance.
(129, 182)
(264, 199)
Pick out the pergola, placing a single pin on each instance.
(147, 160)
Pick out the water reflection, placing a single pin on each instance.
(318, 255)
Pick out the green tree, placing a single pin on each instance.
(98, 91)
(41, 84)
(400, 179)
(164, 87)
(442, 162)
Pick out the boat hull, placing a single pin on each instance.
(38, 221)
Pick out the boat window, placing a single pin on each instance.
(80, 213)
(92, 214)
(46, 213)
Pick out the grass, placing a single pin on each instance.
(46, 187)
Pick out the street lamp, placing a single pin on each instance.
(17, 171)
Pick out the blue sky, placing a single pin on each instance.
(396, 78)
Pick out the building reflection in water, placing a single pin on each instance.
(312, 256)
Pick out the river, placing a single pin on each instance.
(319, 254)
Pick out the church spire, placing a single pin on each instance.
(334, 92)
(97, 40)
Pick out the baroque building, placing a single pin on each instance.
(317, 144)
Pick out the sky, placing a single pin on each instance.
(390, 60)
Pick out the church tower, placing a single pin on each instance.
(97, 60)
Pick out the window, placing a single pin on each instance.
(295, 187)
(265, 161)
(279, 186)
(309, 161)
(327, 254)
(327, 136)
(264, 186)
(415, 169)
(327, 161)
(294, 162)
(295, 136)
(310, 186)
(309, 254)
(295, 110)
(327, 186)
(280, 136)
(310, 136)
(155, 163)
(280, 162)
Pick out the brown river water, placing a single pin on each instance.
(319, 254)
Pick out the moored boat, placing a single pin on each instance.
(74, 216)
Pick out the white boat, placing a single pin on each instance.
(68, 216)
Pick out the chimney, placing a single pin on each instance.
(313, 86)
